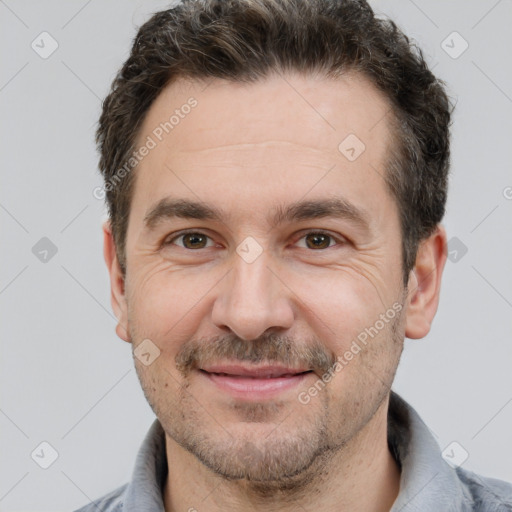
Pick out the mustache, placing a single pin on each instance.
(271, 348)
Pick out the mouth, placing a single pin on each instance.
(254, 383)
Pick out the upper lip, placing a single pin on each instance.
(252, 371)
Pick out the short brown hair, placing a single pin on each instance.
(244, 41)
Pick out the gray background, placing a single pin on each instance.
(68, 380)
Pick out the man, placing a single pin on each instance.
(276, 175)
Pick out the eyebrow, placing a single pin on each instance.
(168, 208)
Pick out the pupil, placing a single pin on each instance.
(319, 240)
(193, 239)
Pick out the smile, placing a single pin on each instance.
(254, 383)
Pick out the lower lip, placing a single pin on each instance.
(253, 388)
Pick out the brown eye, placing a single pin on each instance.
(190, 240)
(318, 240)
(194, 241)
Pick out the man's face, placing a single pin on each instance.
(244, 302)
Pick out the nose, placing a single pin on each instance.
(252, 299)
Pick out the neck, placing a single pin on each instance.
(360, 476)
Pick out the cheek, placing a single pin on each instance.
(338, 305)
(168, 304)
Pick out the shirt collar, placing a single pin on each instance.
(427, 482)
(145, 490)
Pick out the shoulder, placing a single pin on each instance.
(111, 502)
(488, 494)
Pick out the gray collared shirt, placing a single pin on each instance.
(427, 482)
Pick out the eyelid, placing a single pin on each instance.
(338, 238)
(173, 236)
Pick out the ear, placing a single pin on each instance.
(117, 285)
(424, 284)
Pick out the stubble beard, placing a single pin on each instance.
(268, 456)
(281, 454)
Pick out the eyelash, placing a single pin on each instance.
(181, 234)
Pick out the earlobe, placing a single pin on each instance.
(425, 284)
(117, 283)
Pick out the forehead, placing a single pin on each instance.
(328, 105)
(282, 135)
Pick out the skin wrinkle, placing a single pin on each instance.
(292, 304)
(249, 147)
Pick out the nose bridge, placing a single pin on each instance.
(252, 299)
(250, 281)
